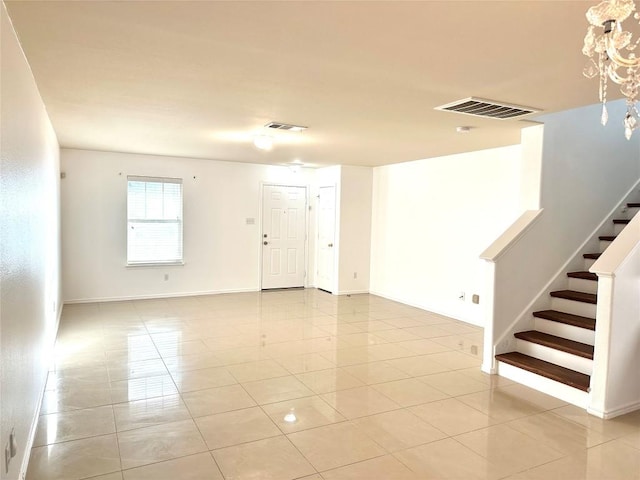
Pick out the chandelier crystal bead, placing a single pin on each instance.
(603, 44)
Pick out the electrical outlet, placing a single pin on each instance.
(475, 298)
(166, 277)
(355, 275)
(461, 297)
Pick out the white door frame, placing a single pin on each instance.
(260, 239)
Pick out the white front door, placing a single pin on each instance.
(283, 236)
(326, 238)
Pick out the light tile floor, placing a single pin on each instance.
(202, 388)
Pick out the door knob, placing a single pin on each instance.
(265, 243)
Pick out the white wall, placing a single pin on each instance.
(586, 170)
(355, 229)
(432, 219)
(29, 245)
(352, 254)
(221, 252)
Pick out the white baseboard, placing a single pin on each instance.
(608, 414)
(426, 308)
(34, 423)
(158, 296)
(490, 369)
(32, 434)
(351, 292)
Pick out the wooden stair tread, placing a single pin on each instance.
(558, 343)
(549, 370)
(633, 205)
(583, 275)
(593, 256)
(621, 221)
(567, 318)
(607, 238)
(576, 296)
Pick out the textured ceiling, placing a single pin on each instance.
(198, 79)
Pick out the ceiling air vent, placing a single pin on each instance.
(285, 126)
(479, 107)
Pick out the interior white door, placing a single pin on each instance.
(283, 236)
(326, 238)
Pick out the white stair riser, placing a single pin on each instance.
(571, 306)
(632, 211)
(587, 263)
(563, 330)
(545, 385)
(618, 227)
(604, 244)
(581, 285)
(551, 355)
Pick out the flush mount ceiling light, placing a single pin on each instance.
(263, 142)
(463, 129)
(285, 126)
(604, 45)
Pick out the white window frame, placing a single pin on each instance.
(178, 220)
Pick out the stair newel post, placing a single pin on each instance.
(602, 347)
(615, 383)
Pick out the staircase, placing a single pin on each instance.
(557, 355)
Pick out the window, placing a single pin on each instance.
(154, 220)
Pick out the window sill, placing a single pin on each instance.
(154, 264)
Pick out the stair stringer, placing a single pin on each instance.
(542, 301)
(525, 320)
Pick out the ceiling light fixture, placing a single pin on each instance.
(463, 129)
(606, 60)
(285, 126)
(263, 142)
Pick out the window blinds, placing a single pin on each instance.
(154, 220)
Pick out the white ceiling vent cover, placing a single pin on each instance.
(285, 126)
(479, 107)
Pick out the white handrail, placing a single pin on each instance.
(619, 250)
(511, 235)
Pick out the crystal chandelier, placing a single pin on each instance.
(605, 44)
